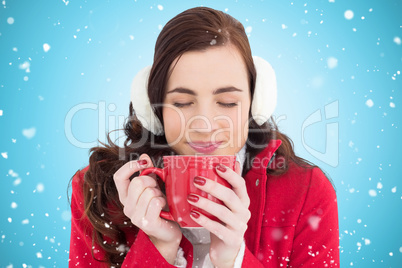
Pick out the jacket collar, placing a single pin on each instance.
(263, 158)
(256, 181)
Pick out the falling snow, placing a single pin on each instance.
(25, 66)
(369, 103)
(10, 20)
(338, 70)
(314, 222)
(17, 181)
(332, 62)
(46, 47)
(144, 222)
(29, 133)
(277, 234)
(379, 186)
(12, 173)
(66, 215)
(349, 14)
(40, 187)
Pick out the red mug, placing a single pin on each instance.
(178, 174)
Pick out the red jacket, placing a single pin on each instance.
(294, 222)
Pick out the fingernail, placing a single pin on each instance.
(195, 214)
(193, 198)
(199, 181)
(221, 168)
(142, 162)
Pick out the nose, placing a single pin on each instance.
(203, 120)
(201, 123)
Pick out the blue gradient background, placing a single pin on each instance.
(115, 39)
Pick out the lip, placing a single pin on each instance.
(204, 147)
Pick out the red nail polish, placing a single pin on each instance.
(195, 214)
(221, 168)
(199, 181)
(193, 198)
(142, 162)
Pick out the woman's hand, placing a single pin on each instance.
(226, 237)
(143, 201)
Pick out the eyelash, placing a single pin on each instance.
(181, 105)
(227, 105)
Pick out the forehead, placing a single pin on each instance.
(209, 69)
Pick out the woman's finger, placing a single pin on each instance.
(141, 208)
(135, 190)
(155, 207)
(234, 178)
(122, 176)
(154, 210)
(221, 212)
(214, 227)
(221, 192)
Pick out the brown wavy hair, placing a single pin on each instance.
(191, 30)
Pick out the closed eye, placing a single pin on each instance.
(180, 105)
(227, 105)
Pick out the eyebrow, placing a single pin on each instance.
(216, 91)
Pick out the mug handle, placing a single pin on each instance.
(159, 172)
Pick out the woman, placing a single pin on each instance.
(205, 94)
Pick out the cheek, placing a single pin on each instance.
(172, 122)
(242, 116)
(236, 121)
(244, 121)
